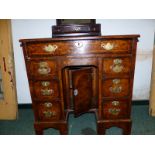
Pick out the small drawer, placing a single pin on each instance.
(43, 69)
(102, 46)
(45, 90)
(96, 47)
(116, 66)
(56, 48)
(70, 29)
(116, 87)
(45, 48)
(115, 109)
(48, 111)
(116, 45)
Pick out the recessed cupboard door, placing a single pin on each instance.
(8, 99)
(82, 90)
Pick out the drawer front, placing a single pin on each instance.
(48, 111)
(116, 45)
(79, 47)
(116, 66)
(75, 29)
(43, 69)
(116, 87)
(47, 48)
(115, 109)
(46, 90)
(69, 29)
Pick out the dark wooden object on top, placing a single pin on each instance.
(79, 75)
(76, 27)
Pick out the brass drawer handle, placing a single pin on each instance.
(117, 68)
(45, 83)
(115, 103)
(43, 64)
(107, 46)
(117, 65)
(117, 61)
(114, 111)
(116, 81)
(47, 92)
(44, 69)
(48, 104)
(115, 89)
(49, 114)
(50, 48)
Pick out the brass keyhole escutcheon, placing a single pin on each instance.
(78, 44)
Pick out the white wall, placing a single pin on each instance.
(22, 29)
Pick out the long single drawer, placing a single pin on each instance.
(115, 109)
(75, 47)
(48, 111)
(119, 87)
(117, 66)
(45, 90)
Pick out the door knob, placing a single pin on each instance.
(75, 92)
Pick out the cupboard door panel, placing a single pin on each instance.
(82, 90)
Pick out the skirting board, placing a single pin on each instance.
(136, 102)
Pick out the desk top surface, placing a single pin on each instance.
(131, 36)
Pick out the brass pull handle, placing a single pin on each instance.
(44, 71)
(48, 104)
(117, 68)
(75, 92)
(50, 48)
(45, 83)
(115, 89)
(49, 114)
(114, 111)
(117, 65)
(115, 103)
(44, 68)
(116, 81)
(47, 92)
(107, 46)
(117, 61)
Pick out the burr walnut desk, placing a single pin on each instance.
(79, 75)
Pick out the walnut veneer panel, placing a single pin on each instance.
(42, 69)
(116, 87)
(115, 109)
(48, 111)
(79, 47)
(117, 66)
